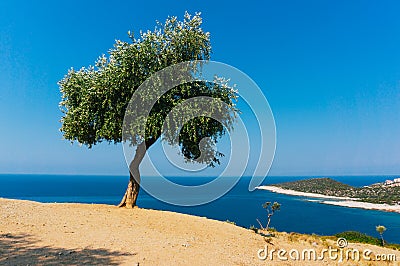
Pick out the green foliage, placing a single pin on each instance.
(380, 229)
(94, 99)
(354, 236)
(253, 228)
(271, 208)
(376, 193)
(326, 186)
(230, 222)
(392, 246)
(357, 237)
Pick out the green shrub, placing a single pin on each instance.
(393, 246)
(354, 236)
(252, 227)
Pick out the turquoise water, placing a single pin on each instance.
(239, 205)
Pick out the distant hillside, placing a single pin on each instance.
(377, 193)
(326, 186)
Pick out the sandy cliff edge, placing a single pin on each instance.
(76, 234)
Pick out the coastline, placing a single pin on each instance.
(364, 205)
(333, 200)
(301, 194)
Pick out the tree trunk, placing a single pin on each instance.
(269, 220)
(132, 192)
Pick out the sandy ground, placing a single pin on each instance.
(344, 201)
(34, 233)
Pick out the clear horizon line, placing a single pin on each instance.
(277, 175)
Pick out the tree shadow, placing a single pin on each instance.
(22, 249)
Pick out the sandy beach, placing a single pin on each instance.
(332, 200)
(364, 205)
(34, 233)
(301, 194)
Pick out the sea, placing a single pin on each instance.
(239, 205)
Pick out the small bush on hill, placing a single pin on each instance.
(354, 236)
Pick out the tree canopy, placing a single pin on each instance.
(95, 98)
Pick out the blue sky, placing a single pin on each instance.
(329, 69)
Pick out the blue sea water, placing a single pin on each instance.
(297, 214)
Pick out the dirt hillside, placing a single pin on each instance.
(34, 233)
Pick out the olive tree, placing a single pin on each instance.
(95, 99)
(270, 208)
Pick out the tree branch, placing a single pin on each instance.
(262, 227)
